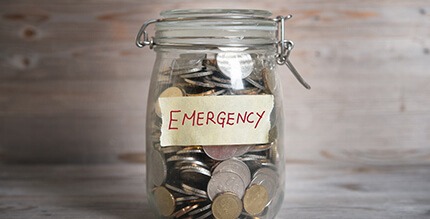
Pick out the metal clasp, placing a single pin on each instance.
(145, 42)
(284, 50)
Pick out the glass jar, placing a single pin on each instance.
(214, 137)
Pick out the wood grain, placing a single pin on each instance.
(311, 191)
(73, 85)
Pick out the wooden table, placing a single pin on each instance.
(313, 190)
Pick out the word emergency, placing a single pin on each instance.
(177, 118)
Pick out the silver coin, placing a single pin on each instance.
(185, 71)
(197, 74)
(199, 83)
(195, 174)
(205, 215)
(235, 166)
(176, 189)
(267, 178)
(188, 61)
(255, 156)
(187, 198)
(195, 163)
(194, 191)
(170, 150)
(158, 169)
(224, 152)
(270, 165)
(233, 63)
(225, 182)
(227, 86)
(180, 158)
(200, 210)
(256, 84)
(221, 80)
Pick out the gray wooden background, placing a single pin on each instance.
(73, 86)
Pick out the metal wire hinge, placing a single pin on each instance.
(284, 50)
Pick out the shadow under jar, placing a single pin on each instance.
(214, 120)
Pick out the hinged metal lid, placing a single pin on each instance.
(221, 28)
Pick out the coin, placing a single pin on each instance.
(200, 210)
(235, 166)
(267, 178)
(205, 215)
(195, 174)
(262, 147)
(195, 163)
(216, 84)
(176, 189)
(255, 84)
(220, 80)
(170, 150)
(197, 74)
(226, 206)
(191, 150)
(255, 199)
(225, 182)
(194, 191)
(199, 83)
(187, 198)
(169, 92)
(157, 170)
(235, 65)
(216, 93)
(223, 152)
(180, 158)
(184, 210)
(164, 201)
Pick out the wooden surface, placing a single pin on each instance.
(73, 90)
(312, 191)
(73, 86)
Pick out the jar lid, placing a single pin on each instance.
(221, 28)
(218, 27)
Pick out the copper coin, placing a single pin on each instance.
(223, 152)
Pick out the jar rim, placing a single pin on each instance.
(215, 12)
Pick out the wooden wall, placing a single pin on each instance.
(73, 85)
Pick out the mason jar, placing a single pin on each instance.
(214, 134)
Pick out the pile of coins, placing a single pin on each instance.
(223, 182)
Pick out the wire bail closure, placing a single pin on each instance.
(284, 46)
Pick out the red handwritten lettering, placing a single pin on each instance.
(260, 116)
(199, 117)
(247, 118)
(193, 116)
(222, 118)
(230, 118)
(210, 118)
(173, 120)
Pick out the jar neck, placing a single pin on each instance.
(216, 28)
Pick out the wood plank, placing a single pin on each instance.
(72, 76)
(311, 191)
